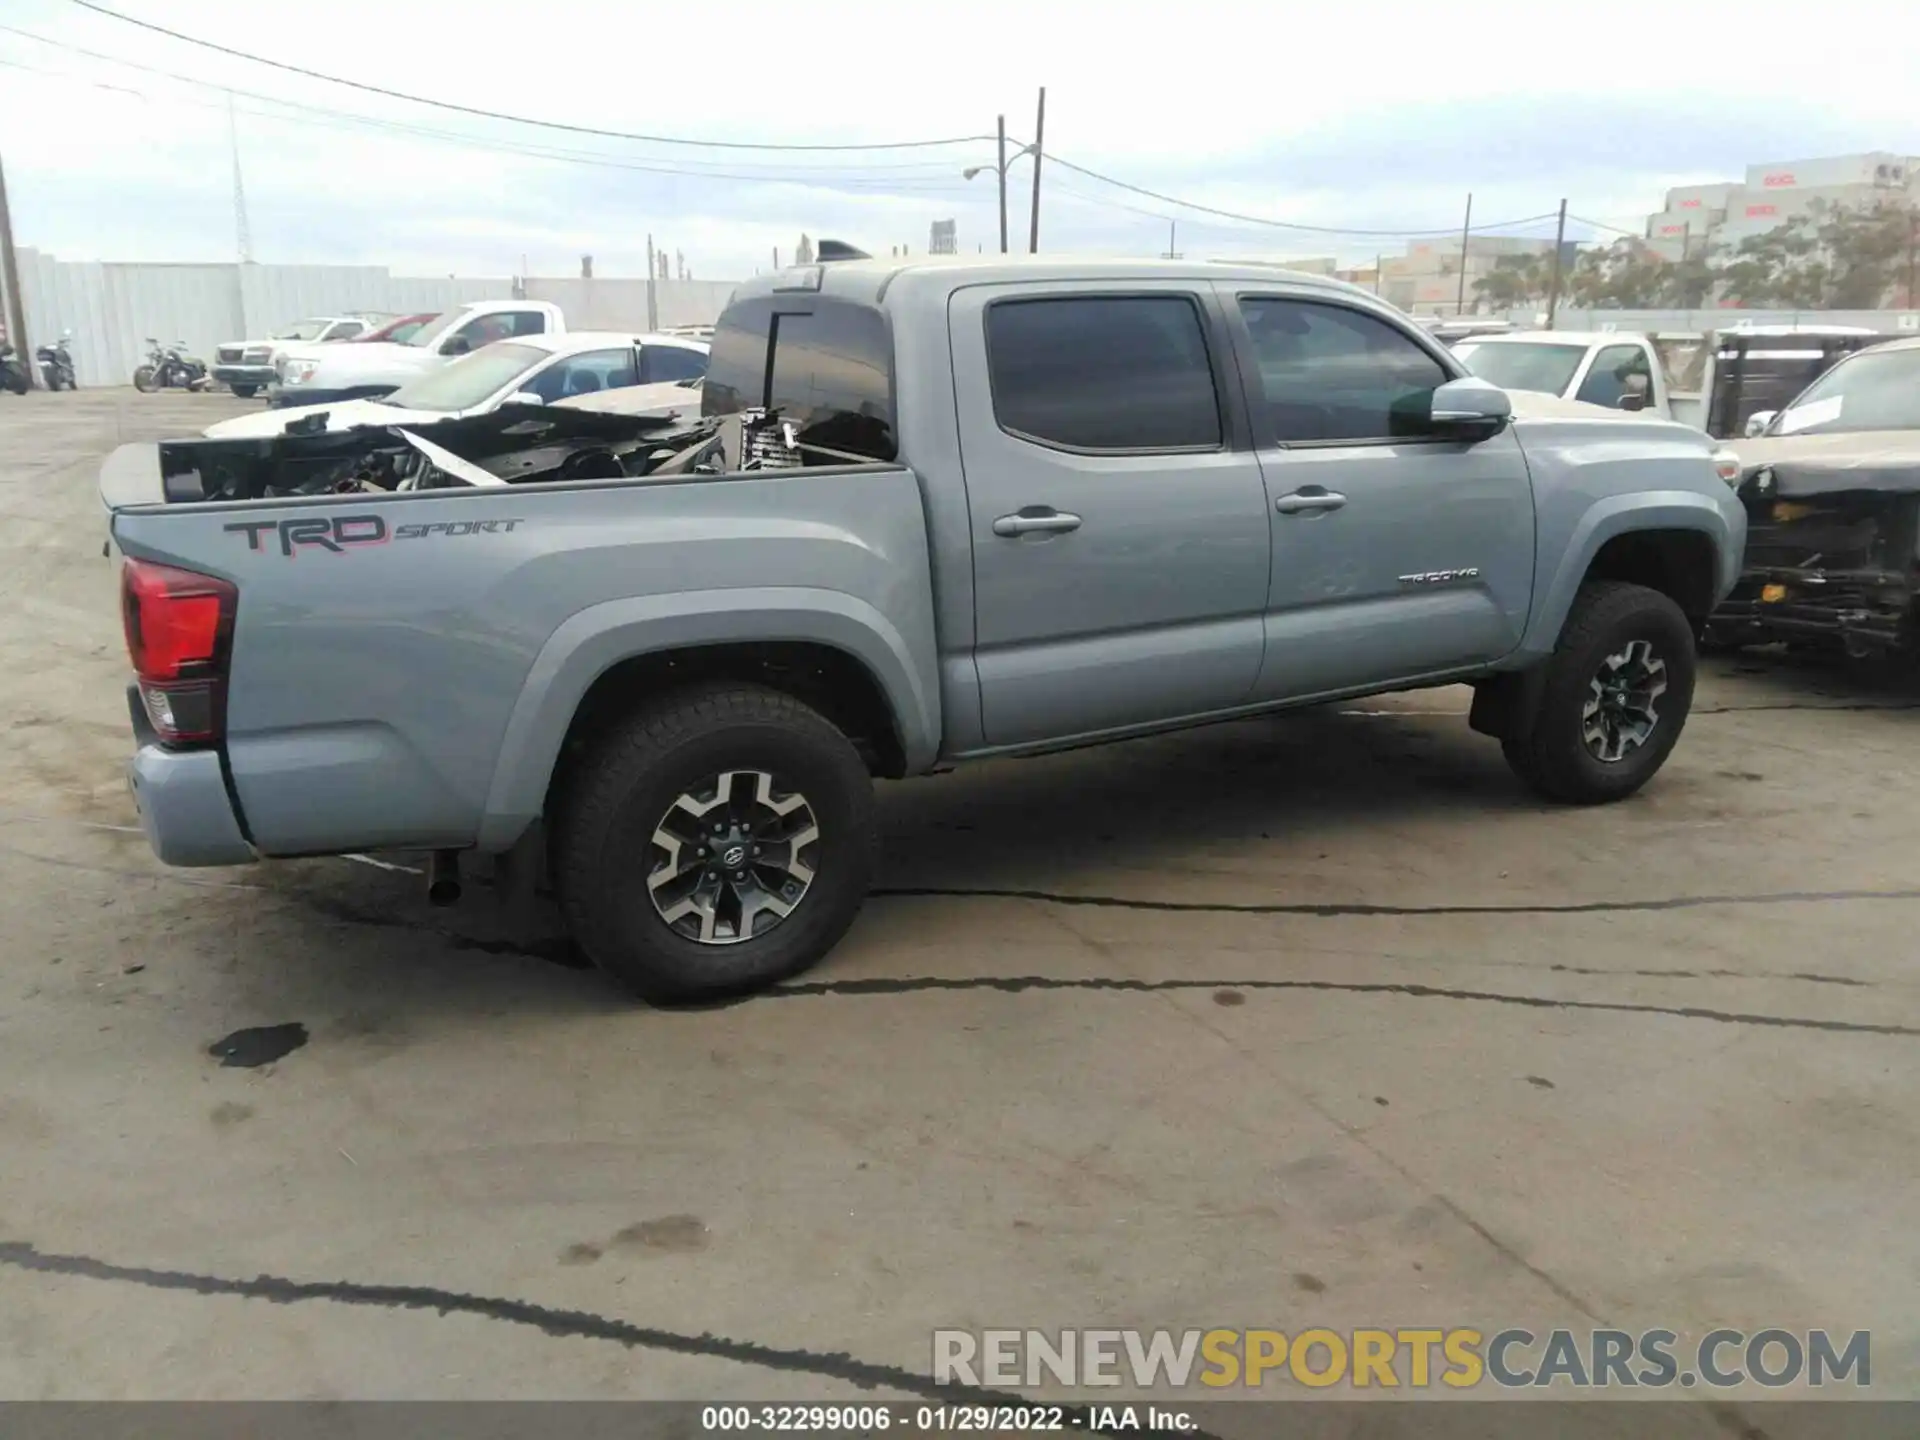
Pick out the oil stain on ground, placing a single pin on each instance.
(258, 1045)
(671, 1234)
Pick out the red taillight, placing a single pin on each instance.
(179, 627)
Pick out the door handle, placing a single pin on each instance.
(1035, 520)
(1309, 500)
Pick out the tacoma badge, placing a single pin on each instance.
(1441, 577)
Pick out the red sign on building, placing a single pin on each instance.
(1753, 210)
(1780, 181)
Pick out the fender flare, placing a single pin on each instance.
(596, 639)
(1607, 520)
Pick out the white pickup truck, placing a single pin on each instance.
(1602, 367)
(246, 366)
(321, 374)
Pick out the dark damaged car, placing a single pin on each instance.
(1831, 485)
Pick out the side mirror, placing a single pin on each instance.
(458, 345)
(523, 397)
(1469, 409)
(1632, 401)
(1758, 422)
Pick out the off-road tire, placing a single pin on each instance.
(616, 797)
(1607, 615)
(245, 392)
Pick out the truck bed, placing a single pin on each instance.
(368, 624)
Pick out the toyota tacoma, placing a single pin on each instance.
(932, 511)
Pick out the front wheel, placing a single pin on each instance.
(1618, 691)
(146, 380)
(14, 380)
(718, 840)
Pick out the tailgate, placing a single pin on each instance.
(131, 476)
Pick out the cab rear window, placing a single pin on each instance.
(823, 363)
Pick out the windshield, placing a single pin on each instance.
(399, 332)
(305, 330)
(1874, 390)
(471, 380)
(428, 333)
(1545, 367)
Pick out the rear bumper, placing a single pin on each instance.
(182, 798)
(243, 374)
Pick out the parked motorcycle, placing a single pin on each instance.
(171, 368)
(56, 364)
(13, 375)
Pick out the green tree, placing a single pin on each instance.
(1625, 275)
(1830, 257)
(1514, 281)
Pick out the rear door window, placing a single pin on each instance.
(1103, 372)
(662, 363)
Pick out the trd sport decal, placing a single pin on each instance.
(346, 532)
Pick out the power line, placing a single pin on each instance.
(1266, 220)
(1602, 225)
(515, 119)
(850, 177)
(1262, 221)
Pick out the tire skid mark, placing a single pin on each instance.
(1019, 984)
(560, 1324)
(1331, 909)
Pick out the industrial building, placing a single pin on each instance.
(1427, 279)
(1773, 193)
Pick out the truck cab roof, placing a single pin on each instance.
(871, 280)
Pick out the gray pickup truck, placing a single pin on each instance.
(934, 511)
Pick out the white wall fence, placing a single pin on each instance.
(607, 304)
(1893, 322)
(113, 309)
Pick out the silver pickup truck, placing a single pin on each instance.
(934, 511)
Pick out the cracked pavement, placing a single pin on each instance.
(1312, 1020)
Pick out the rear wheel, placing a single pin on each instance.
(718, 840)
(146, 380)
(246, 392)
(1618, 691)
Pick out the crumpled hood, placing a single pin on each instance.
(1885, 460)
(1846, 447)
(342, 415)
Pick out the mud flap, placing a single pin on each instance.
(1504, 705)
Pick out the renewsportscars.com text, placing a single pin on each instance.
(1458, 1358)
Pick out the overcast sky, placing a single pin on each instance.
(1377, 117)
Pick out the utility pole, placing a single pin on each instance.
(1553, 285)
(16, 312)
(1466, 228)
(1039, 134)
(242, 231)
(1173, 247)
(653, 304)
(1913, 235)
(1003, 184)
